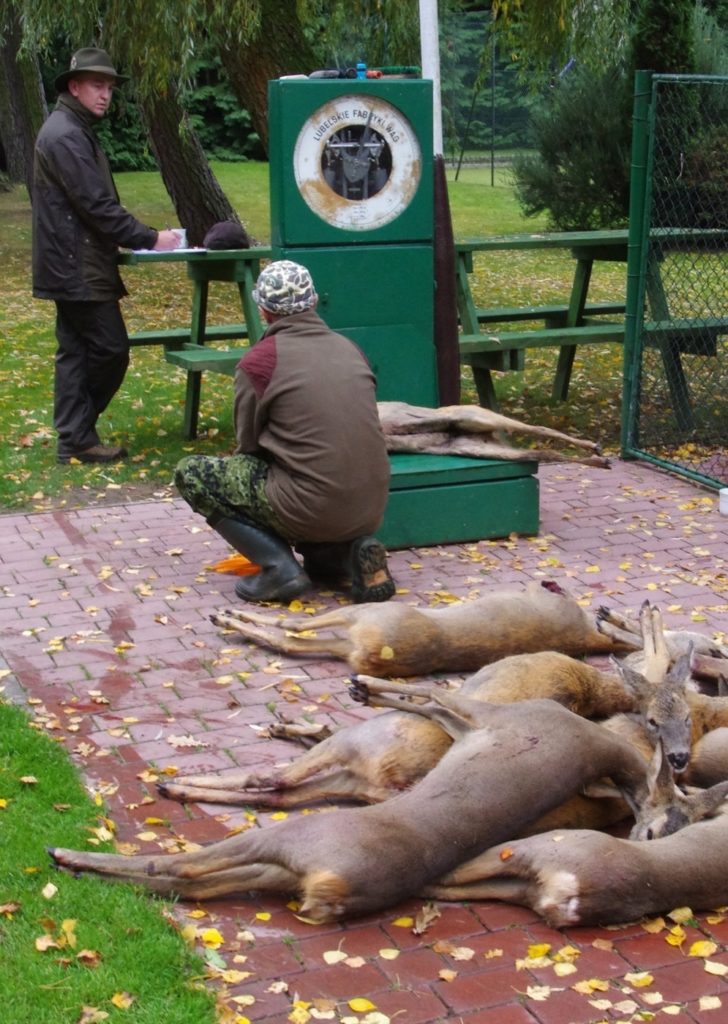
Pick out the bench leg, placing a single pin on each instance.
(192, 404)
(194, 378)
(484, 386)
(677, 383)
(560, 389)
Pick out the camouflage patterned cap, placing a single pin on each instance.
(284, 288)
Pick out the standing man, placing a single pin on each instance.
(78, 226)
(311, 466)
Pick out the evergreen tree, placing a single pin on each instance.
(663, 39)
(580, 171)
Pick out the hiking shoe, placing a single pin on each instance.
(97, 453)
(370, 579)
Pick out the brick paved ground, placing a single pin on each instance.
(104, 625)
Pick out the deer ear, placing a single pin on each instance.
(680, 670)
(710, 801)
(635, 682)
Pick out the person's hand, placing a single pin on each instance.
(166, 240)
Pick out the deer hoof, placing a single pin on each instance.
(358, 690)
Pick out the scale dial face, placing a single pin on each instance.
(357, 162)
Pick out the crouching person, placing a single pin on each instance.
(310, 469)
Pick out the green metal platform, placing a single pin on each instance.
(446, 499)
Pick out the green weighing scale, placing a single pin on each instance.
(351, 191)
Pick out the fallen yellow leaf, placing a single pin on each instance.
(360, 1005)
(702, 948)
(639, 979)
(211, 938)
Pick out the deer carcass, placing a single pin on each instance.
(396, 639)
(510, 764)
(473, 431)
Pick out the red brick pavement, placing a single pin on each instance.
(104, 620)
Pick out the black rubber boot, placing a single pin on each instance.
(326, 563)
(281, 578)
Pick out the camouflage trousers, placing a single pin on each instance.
(233, 487)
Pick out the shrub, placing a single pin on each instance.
(579, 174)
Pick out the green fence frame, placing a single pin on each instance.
(649, 326)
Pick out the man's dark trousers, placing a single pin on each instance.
(91, 360)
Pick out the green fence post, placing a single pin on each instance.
(635, 252)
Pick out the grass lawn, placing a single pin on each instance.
(77, 949)
(147, 412)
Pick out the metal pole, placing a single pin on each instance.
(635, 254)
(430, 53)
(492, 110)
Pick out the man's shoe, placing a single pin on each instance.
(97, 453)
(370, 579)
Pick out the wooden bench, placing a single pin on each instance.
(199, 358)
(564, 325)
(486, 352)
(174, 337)
(552, 315)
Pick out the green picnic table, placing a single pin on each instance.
(188, 346)
(578, 321)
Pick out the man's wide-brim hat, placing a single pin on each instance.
(89, 59)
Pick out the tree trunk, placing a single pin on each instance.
(193, 188)
(22, 103)
(280, 48)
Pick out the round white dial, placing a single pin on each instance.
(357, 162)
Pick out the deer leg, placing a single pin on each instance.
(507, 890)
(339, 785)
(493, 875)
(189, 876)
(259, 788)
(259, 618)
(476, 418)
(656, 655)
(307, 734)
(455, 713)
(296, 623)
(619, 630)
(616, 618)
(280, 641)
(375, 686)
(708, 667)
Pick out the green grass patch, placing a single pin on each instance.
(146, 415)
(86, 941)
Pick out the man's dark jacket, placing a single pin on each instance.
(78, 221)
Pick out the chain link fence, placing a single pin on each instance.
(679, 403)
